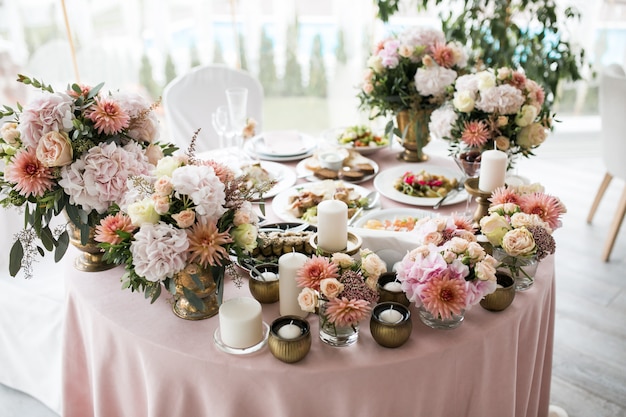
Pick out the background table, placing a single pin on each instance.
(123, 356)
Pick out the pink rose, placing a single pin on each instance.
(54, 149)
(154, 154)
(307, 299)
(163, 186)
(519, 242)
(185, 218)
(331, 287)
(161, 203)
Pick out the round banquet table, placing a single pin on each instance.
(123, 356)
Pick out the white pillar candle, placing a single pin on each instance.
(492, 170)
(393, 286)
(241, 325)
(390, 316)
(332, 225)
(288, 266)
(289, 331)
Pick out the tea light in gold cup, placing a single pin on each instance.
(390, 289)
(264, 283)
(290, 338)
(387, 330)
(504, 294)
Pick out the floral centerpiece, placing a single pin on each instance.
(342, 289)
(71, 152)
(520, 224)
(448, 272)
(493, 109)
(187, 218)
(409, 75)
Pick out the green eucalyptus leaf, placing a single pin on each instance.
(62, 244)
(194, 300)
(15, 258)
(47, 239)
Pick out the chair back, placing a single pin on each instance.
(613, 117)
(190, 100)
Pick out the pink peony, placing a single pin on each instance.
(32, 178)
(159, 251)
(47, 113)
(106, 231)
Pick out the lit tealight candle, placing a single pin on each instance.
(390, 316)
(492, 170)
(393, 286)
(332, 225)
(269, 276)
(289, 331)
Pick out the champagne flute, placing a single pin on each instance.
(237, 99)
(219, 120)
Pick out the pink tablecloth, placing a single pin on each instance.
(125, 357)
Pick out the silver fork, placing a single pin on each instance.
(300, 228)
(459, 187)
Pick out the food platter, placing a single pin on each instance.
(285, 177)
(307, 167)
(332, 137)
(384, 184)
(387, 219)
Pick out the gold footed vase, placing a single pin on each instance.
(91, 258)
(413, 125)
(196, 294)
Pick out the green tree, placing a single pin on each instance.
(218, 55)
(267, 66)
(170, 69)
(146, 79)
(494, 32)
(292, 80)
(243, 61)
(317, 70)
(340, 50)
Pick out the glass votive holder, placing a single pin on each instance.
(389, 289)
(503, 296)
(290, 338)
(264, 283)
(390, 324)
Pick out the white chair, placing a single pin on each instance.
(612, 105)
(190, 99)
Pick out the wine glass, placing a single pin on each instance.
(219, 119)
(468, 162)
(237, 99)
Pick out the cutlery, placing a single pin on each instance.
(370, 201)
(300, 228)
(460, 186)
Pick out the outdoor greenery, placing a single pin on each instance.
(517, 33)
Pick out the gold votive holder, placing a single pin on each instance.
(264, 291)
(353, 245)
(391, 334)
(503, 296)
(294, 349)
(387, 295)
(482, 199)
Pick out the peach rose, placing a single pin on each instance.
(154, 153)
(503, 143)
(457, 245)
(372, 265)
(10, 134)
(163, 186)
(161, 203)
(55, 149)
(331, 287)
(519, 242)
(307, 299)
(485, 271)
(531, 136)
(185, 218)
(475, 251)
(342, 260)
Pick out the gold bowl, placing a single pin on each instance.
(290, 350)
(386, 295)
(391, 335)
(265, 292)
(354, 244)
(503, 296)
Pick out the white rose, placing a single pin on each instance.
(342, 260)
(526, 115)
(494, 227)
(10, 134)
(531, 136)
(373, 266)
(167, 165)
(142, 212)
(245, 236)
(376, 64)
(486, 80)
(463, 101)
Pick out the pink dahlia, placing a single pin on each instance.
(475, 133)
(444, 295)
(106, 231)
(29, 174)
(108, 116)
(503, 195)
(314, 270)
(345, 312)
(443, 55)
(462, 222)
(548, 207)
(224, 173)
(206, 244)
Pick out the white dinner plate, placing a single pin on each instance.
(303, 171)
(392, 214)
(280, 203)
(285, 177)
(332, 137)
(385, 180)
(285, 148)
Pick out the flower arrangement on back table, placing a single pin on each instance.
(448, 272)
(412, 70)
(492, 109)
(189, 213)
(72, 151)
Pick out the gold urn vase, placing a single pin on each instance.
(196, 293)
(413, 127)
(91, 258)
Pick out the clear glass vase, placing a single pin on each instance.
(522, 268)
(335, 335)
(436, 322)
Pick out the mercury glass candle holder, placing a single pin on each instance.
(294, 349)
(387, 295)
(387, 334)
(264, 291)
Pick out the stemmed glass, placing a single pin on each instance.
(237, 99)
(219, 119)
(469, 163)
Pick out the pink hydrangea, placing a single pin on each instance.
(47, 113)
(205, 189)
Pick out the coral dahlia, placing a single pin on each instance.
(206, 244)
(29, 174)
(108, 117)
(444, 295)
(475, 133)
(548, 207)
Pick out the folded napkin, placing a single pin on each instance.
(282, 143)
(388, 245)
